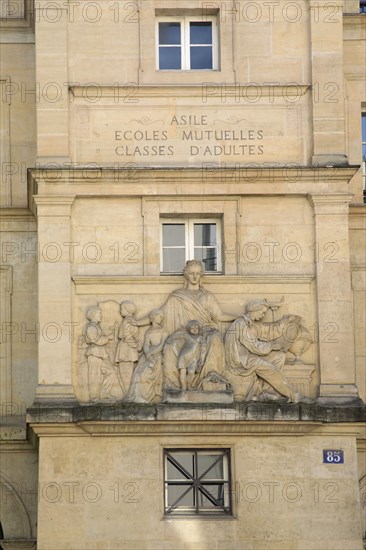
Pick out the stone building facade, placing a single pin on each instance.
(183, 274)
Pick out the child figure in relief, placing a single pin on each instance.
(192, 355)
(147, 380)
(129, 345)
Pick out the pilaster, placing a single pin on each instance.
(326, 34)
(334, 297)
(52, 82)
(54, 298)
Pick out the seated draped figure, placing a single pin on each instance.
(255, 352)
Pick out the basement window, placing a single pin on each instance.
(197, 482)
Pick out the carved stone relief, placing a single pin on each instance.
(147, 381)
(183, 357)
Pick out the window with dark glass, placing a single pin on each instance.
(197, 481)
(183, 240)
(186, 43)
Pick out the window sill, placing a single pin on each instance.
(190, 517)
(187, 71)
(176, 273)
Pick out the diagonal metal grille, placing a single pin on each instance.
(202, 493)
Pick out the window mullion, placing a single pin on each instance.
(215, 44)
(189, 239)
(187, 51)
(157, 45)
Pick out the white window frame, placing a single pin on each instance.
(199, 510)
(185, 40)
(189, 240)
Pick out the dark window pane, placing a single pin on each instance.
(173, 234)
(201, 33)
(169, 33)
(363, 127)
(208, 256)
(185, 460)
(170, 58)
(176, 491)
(207, 462)
(205, 234)
(364, 152)
(174, 259)
(216, 491)
(201, 57)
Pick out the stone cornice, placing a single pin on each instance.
(352, 22)
(19, 446)
(106, 284)
(95, 92)
(358, 208)
(17, 219)
(357, 216)
(18, 544)
(333, 198)
(330, 203)
(139, 174)
(194, 419)
(54, 200)
(178, 279)
(137, 181)
(50, 206)
(225, 429)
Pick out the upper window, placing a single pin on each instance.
(363, 6)
(186, 43)
(197, 481)
(183, 240)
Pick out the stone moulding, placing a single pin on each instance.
(93, 176)
(100, 284)
(113, 91)
(249, 417)
(18, 544)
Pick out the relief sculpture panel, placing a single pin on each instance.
(181, 353)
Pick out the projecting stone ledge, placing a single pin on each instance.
(202, 397)
(202, 412)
